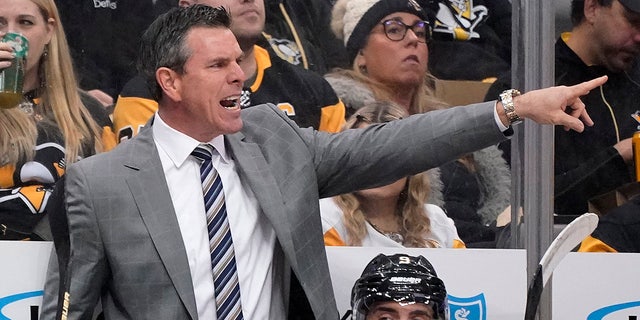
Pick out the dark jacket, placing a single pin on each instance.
(474, 198)
(104, 36)
(586, 164)
(617, 231)
(310, 20)
(471, 39)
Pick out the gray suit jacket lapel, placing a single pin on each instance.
(253, 169)
(149, 189)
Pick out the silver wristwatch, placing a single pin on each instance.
(506, 97)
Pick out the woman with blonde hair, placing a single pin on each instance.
(393, 215)
(53, 126)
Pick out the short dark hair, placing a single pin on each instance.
(163, 43)
(577, 10)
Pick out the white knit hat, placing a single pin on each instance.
(352, 20)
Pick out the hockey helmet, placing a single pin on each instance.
(400, 278)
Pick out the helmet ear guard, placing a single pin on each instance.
(400, 278)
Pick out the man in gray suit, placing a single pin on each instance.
(137, 229)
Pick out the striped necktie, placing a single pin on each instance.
(223, 260)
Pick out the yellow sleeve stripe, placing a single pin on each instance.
(332, 238)
(133, 113)
(109, 139)
(591, 244)
(263, 62)
(332, 118)
(459, 244)
(6, 176)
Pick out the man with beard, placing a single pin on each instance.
(604, 40)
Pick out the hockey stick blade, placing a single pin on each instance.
(568, 239)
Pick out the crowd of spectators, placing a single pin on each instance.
(100, 72)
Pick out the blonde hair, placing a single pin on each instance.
(414, 222)
(17, 136)
(59, 99)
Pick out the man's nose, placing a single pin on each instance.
(237, 75)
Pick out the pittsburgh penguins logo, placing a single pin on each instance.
(285, 49)
(34, 197)
(459, 18)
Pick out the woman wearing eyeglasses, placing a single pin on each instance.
(387, 42)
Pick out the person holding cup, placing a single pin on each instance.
(53, 125)
(12, 77)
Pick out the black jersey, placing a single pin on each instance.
(25, 187)
(303, 95)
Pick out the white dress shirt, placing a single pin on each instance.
(253, 235)
(496, 118)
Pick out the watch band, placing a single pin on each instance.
(506, 97)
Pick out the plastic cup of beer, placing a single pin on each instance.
(12, 77)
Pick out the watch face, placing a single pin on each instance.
(506, 97)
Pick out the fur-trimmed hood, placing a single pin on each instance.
(495, 175)
(353, 93)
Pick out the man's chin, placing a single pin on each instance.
(237, 127)
(623, 63)
(247, 40)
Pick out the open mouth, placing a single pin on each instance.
(231, 103)
(412, 58)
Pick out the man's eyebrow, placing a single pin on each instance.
(219, 59)
(384, 309)
(420, 312)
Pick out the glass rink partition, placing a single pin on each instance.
(532, 172)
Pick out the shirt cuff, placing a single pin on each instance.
(496, 117)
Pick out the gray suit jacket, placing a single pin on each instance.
(125, 242)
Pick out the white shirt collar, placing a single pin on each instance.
(178, 146)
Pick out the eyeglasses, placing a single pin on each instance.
(396, 30)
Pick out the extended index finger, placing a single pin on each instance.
(584, 88)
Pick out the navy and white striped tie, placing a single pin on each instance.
(223, 260)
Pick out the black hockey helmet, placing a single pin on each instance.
(401, 278)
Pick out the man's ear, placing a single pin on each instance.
(590, 9)
(170, 82)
